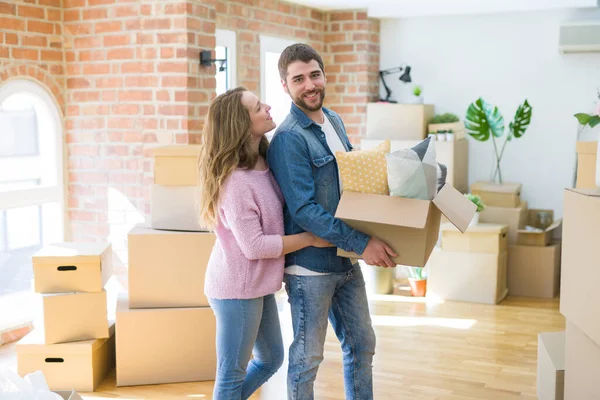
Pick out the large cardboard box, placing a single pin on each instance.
(582, 364)
(176, 165)
(515, 218)
(409, 226)
(72, 267)
(454, 155)
(498, 194)
(167, 268)
(175, 208)
(398, 121)
(80, 365)
(534, 271)
(480, 238)
(580, 264)
(470, 277)
(551, 366)
(165, 345)
(586, 165)
(75, 316)
(542, 238)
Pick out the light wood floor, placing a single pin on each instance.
(450, 351)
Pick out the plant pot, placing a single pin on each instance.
(418, 287)
(474, 220)
(416, 99)
(450, 137)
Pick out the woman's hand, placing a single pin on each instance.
(318, 242)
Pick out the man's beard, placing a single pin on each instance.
(302, 104)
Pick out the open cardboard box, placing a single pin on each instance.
(532, 238)
(409, 226)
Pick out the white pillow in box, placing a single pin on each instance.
(413, 173)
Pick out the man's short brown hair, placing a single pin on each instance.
(298, 52)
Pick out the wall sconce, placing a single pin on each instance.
(405, 77)
(206, 60)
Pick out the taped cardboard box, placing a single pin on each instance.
(164, 345)
(534, 271)
(70, 317)
(551, 366)
(167, 268)
(480, 238)
(175, 208)
(498, 194)
(409, 226)
(176, 165)
(72, 267)
(79, 366)
(582, 364)
(586, 165)
(544, 236)
(514, 218)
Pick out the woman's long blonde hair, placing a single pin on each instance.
(226, 145)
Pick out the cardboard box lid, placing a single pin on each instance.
(33, 343)
(587, 147)
(531, 213)
(146, 230)
(506, 187)
(184, 150)
(71, 252)
(586, 192)
(554, 344)
(455, 206)
(479, 228)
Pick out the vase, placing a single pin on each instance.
(418, 287)
(475, 219)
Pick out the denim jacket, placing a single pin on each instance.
(307, 173)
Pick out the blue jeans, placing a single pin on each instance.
(341, 297)
(245, 328)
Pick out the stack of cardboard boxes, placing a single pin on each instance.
(165, 326)
(75, 348)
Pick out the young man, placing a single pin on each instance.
(321, 285)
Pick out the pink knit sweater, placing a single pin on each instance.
(246, 261)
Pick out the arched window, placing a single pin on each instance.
(32, 189)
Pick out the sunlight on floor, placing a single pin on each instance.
(390, 320)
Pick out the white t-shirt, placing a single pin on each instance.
(335, 144)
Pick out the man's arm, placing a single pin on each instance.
(291, 164)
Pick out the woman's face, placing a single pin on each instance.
(259, 115)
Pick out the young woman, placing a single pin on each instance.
(243, 204)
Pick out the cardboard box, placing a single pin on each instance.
(75, 316)
(515, 218)
(167, 268)
(498, 194)
(534, 271)
(409, 226)
(398, 121)
(580, 263)
(551, 366)
(165, 345)
(543, 238)
(480, 238)
(72, 267)
(176, 165)
(470, 277)
(586, 165)
(454, 155)
(80, 365)
(582, 364)
(175, 208)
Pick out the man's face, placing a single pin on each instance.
(305, 83)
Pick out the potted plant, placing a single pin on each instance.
(480, 207)
(484, 121)
(446, 123)
(590, 120)
(417, 281)
(417, 98)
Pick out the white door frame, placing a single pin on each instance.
(227, 39)
(270, 44)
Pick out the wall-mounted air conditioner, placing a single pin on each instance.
(579, 36)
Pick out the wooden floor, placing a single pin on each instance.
(448, 350)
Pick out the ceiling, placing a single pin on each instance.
(414, 8)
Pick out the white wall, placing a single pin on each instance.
(503, 58)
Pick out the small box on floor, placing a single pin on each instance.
(79, 366)
(551, 366)
(515, 218)
(498, 194)
(75, 316)
(534, 271)
(72, 267)
(544, 223)
(176, 165)
(165, 345)
(480, 238)
(582, 364)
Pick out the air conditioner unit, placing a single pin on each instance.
(579, 36)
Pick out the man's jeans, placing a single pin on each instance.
(341, 297)
(246, 327)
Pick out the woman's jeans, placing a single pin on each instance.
(245, 328)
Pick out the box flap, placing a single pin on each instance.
(532, 215)
(455, 206)
(587, 147)
(550, 228)
(184, 150)
(383, 209)
(554, 345)
(71, 252)
(586, 192)
(479, 228)
(33, 343)
(506, 187)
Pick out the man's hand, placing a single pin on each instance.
(378, 253)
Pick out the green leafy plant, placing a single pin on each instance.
(588, 119)
(476, 200)
(446, 118)
(484, 121)
(416, 273)
(417, 90)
